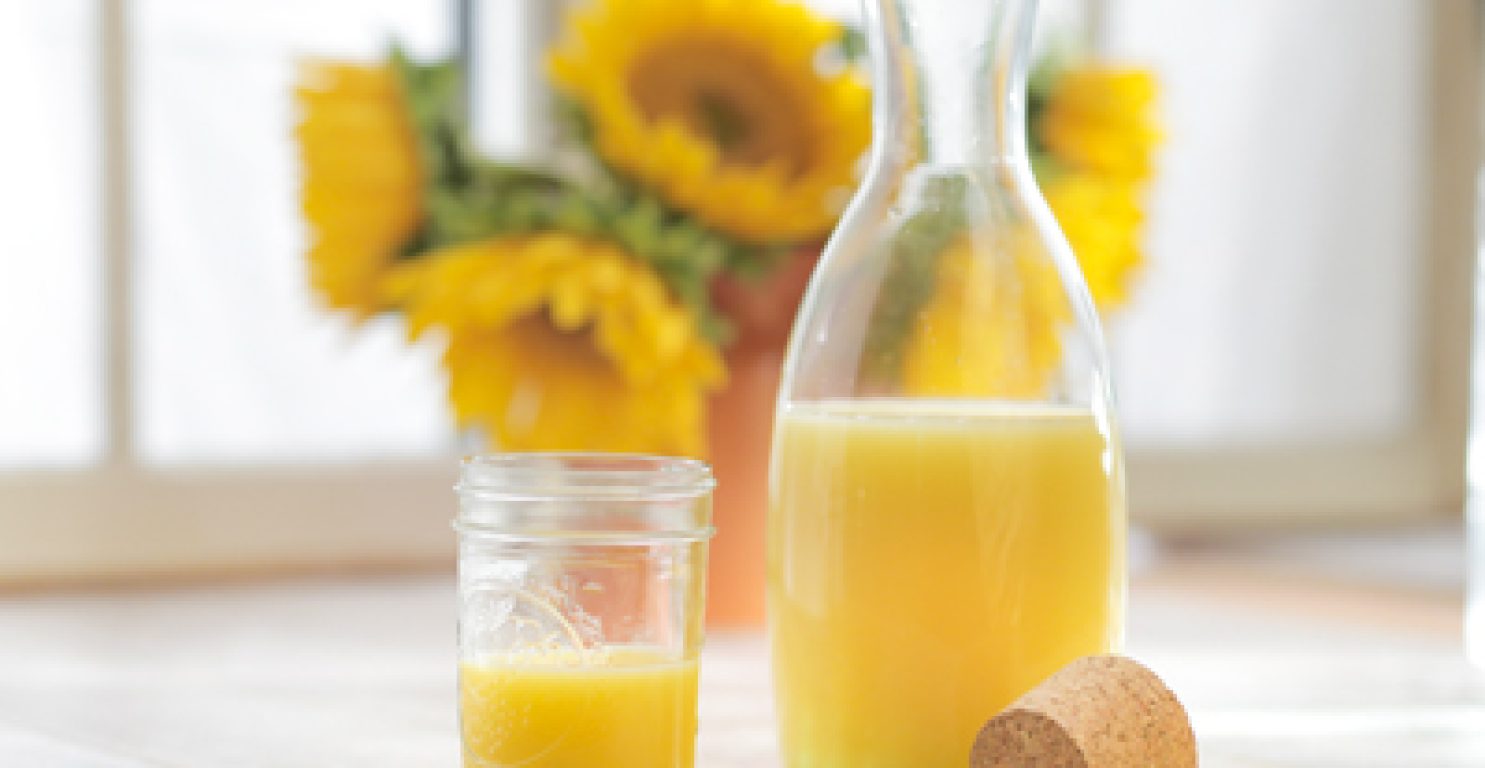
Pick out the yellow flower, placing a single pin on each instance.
(1098, 120)
(721, 107)
(991, 328)
(1098, 130)
(362, 186)
(1102, 220)
(561, 343)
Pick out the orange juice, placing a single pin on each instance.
(928, 563)
(631, 709)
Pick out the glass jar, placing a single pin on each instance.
(947, 517)
(581, 585)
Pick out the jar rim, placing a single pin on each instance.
(573, 474)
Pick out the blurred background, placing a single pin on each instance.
(1293, 356)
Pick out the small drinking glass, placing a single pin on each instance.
(581, 584)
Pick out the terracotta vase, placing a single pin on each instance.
(741, 425)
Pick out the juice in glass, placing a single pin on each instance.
(930, 561)
(629, 709)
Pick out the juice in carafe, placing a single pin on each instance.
(929, 562)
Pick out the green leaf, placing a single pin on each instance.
(851, 44)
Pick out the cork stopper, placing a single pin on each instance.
(1097, 712)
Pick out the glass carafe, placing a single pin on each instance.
(947, 506)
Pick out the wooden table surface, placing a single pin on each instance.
(1285, 659)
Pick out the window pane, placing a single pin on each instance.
(1286, 249)
(51, 405)
(236, 360)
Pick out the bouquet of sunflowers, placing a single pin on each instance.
(580, 309)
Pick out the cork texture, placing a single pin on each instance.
(1097, 712)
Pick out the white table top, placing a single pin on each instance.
(1279, 667)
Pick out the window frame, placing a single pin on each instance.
(1415, 475)
(121, 519)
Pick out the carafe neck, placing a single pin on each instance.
(950, 82)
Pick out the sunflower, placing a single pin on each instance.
(1102, 220)
(990, 329)
(362, 184)
(1094, 128)
(1098, 120)
(558, 342)
(720, 106)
